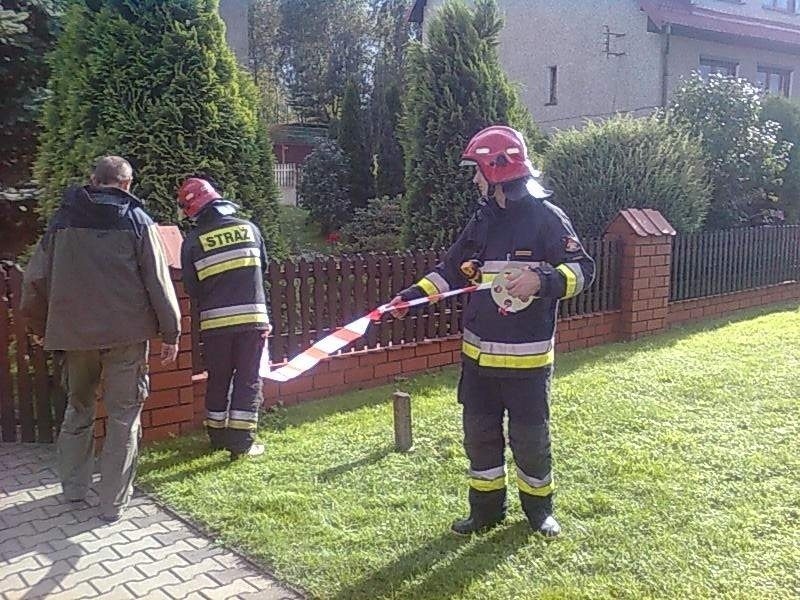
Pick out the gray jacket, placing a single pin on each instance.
(99, 278)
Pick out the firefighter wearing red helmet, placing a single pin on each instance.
(523, 243)
(224, 261)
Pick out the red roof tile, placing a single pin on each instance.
(647, 222)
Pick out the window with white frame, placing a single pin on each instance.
(774, 80)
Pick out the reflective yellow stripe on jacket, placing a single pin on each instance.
(573, 277)
(227, 261)
(233, 315)
(505, 355)
(433, 283)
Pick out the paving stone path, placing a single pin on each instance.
(51, 548)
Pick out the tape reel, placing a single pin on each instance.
(505, 301)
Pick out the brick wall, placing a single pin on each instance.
(696, 309)
(588, 330)
(370, 368)
(644, 270)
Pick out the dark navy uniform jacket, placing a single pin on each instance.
(224, 262)
(529, 233)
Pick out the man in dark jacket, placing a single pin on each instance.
(527, 247)
(224, 260)
(97, 289)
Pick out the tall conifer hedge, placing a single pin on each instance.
(456, 87)
(155, 82)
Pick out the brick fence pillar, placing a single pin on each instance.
(646, 239)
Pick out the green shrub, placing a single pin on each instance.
(155, 82)
(787, 113)
(353, 143)
(376, 228)
(324, 189)
(28, 30)
(744, 154)
(627, 163)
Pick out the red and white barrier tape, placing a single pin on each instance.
(346, 335)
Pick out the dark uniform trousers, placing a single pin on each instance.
(233, 393)
(485, 401)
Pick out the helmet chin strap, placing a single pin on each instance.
(490, 200)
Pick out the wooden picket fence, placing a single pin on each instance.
(32, 401)
(309, 298)
(286, 175)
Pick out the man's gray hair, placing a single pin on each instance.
(112, 170)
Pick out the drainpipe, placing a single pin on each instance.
(665, 62)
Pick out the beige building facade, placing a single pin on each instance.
(588, 59)
(235, 15)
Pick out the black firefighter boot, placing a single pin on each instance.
(540, 514)
(487, 510)
(241, 442)
(216, 437)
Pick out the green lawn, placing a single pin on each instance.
(302, 236)
(677, 462)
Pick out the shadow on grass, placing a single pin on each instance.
(468, 562)
(152, 477)
(279, 418)
(370, 459)
(179, 459)
(174, 451)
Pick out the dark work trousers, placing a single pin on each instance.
(485, 401)
(233, 393)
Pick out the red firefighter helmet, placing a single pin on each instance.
(194, 195)
(500, 153)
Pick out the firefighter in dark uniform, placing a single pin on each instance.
(527, 246)
(224, 261)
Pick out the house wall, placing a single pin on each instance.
(569, 34)
(234, 13)
(685, 56)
